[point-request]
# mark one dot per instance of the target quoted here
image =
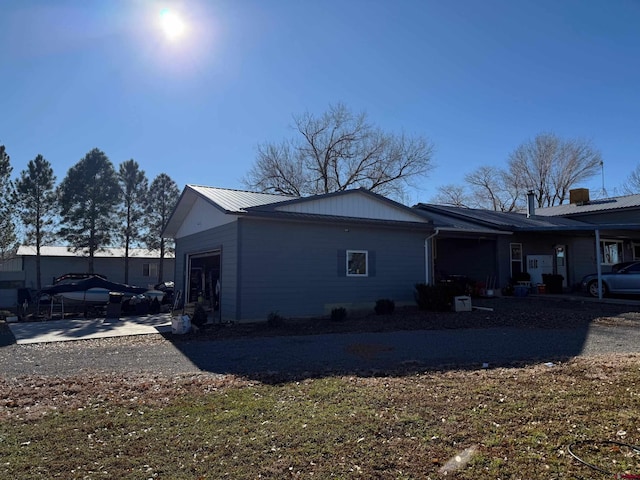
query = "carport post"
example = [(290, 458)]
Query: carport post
[(428, 268), (599, 264)]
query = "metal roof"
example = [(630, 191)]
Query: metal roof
[(65, 251), (445, 222), (500, 220), (603, 204), (238, 201)]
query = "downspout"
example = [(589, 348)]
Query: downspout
[(599, 264), (427, 263)]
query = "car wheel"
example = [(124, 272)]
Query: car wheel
[(592, 289)]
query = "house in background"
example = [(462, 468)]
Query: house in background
[(20, 271), (251, 254)]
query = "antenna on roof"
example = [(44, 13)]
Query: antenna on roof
[(604, 190)]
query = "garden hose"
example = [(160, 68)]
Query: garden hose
[(629, 476)]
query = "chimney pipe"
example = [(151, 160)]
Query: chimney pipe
[(531, 204)]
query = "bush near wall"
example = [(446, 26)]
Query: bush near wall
[(384, 306)]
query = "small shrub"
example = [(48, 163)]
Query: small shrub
[(338, 314), (275, 320), (436, 298), (384, 306)]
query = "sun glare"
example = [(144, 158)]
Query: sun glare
[(172, 25)]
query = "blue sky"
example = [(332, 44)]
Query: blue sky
[(476, 77)]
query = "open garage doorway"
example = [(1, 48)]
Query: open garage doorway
[(203, 282)]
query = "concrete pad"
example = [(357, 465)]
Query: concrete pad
[(83, 329)]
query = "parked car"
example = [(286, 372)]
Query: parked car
[(623, 279)]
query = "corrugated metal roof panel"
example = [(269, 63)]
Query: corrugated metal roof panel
[(604, 204), (62, 251), (448, 222), (237, 201), (508, 220)]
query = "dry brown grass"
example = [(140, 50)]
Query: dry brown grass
[(517, 422)]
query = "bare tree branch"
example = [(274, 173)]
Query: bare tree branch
[(340, 150), (632, 185), (453, 196), (551, 166)]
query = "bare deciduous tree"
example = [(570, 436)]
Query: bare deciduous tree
[(632, 185), (337, 151), (453, 196), (487, 187), (495, 189), (550, 166)]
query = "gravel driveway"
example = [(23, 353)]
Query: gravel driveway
[(601, 329)]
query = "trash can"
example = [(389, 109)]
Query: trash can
[(114, 307), (115, 297)]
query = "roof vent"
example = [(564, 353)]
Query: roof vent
[(579, 196)]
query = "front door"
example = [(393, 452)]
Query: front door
[(538, 265)]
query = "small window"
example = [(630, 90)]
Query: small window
[(610, 251), (516, 258), (357, 262), (150, 270)]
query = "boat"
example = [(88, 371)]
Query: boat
[(95, 290)]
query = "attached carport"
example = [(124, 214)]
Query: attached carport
[(620, 232)]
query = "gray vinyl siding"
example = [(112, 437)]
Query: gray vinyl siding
[(293, 268), (224, 238)]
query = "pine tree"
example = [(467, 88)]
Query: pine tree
[(8, 237), (161, 200), (35, 202), (88, 197), (134, 185)]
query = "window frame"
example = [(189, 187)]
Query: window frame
[(515, 258), (619, 251), (151, 270), (366, 263)]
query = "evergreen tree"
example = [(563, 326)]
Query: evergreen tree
[(35, 202), (134, 186), (8, 237), (161, 200), (88, 197)]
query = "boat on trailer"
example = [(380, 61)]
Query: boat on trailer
[(95, 291)]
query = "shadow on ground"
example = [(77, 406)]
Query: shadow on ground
[(514, 332), (6, 337), (297, 357)]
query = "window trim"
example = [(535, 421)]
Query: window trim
[(515, 257), (620, 251), (151, 270), (366, 263)]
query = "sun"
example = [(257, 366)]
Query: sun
[(172, 25)]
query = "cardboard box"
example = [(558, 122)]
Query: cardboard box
[(462, 304)]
